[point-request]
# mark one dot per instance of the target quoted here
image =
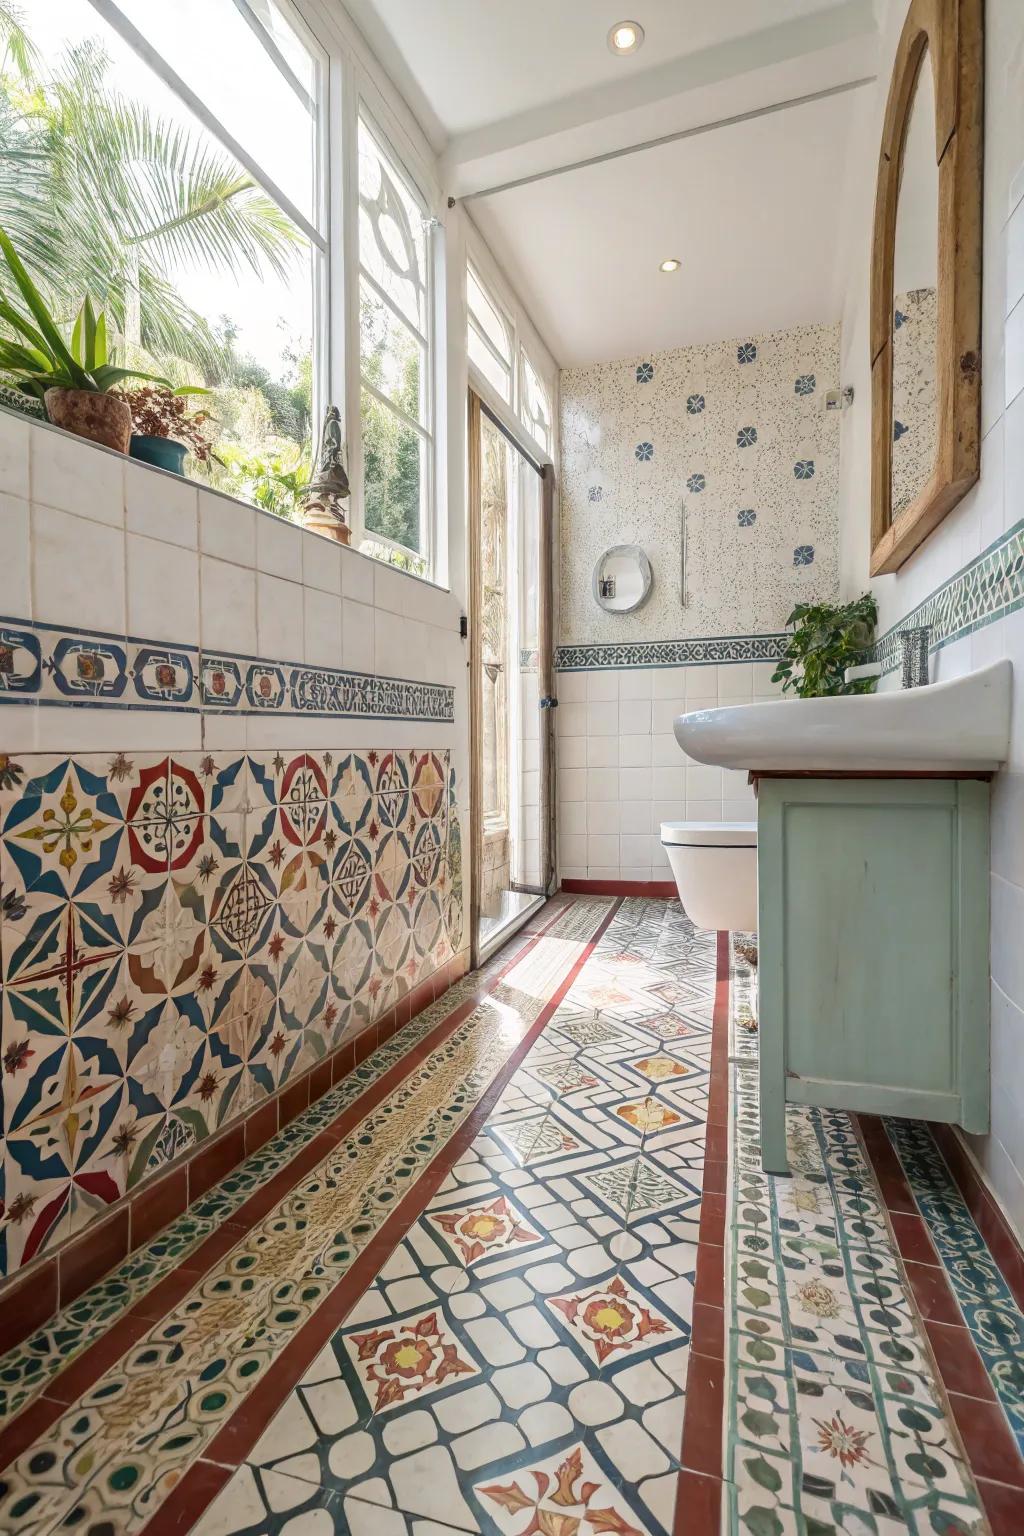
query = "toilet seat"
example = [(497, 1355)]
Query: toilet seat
[(709, 834)]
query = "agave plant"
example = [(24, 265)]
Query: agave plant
[(42, 359)]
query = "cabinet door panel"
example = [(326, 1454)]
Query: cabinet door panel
[(870, 937)]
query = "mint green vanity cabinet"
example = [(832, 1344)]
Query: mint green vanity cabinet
[(874, 949)]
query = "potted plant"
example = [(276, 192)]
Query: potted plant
[(827, 638), (164, 430), (73, 381)]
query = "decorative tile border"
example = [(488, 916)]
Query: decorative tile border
[(49, 664), (986, 589), (699, 651), (993, 1318)]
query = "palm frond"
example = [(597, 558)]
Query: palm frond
[(17, 46)]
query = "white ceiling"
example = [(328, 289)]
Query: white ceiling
[(514, 89), (754, 212), (478, 61)]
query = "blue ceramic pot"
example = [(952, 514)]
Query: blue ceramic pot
[(164, 452)]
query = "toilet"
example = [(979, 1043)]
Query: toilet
[(715, 868)]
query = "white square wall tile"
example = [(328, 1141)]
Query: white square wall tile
[(321, 562), (703, 682), (15, 453), (15, 573), (163, 590), (636, 684), (634, 751), (634, 717), (634, 784), (602, 848), (635, 817), (570, 688), (604, 815), (357, 572), (572, 848), (279, 633), (602, 685), (703, 783), (572, 752), (602, 751), (77, 571), (664, 712), (78, 476), (227, 529), (603, 717), (634, 872), (670, 682), (736, 680), (322, 628), (602, 784), (637, 849), (669, 783), (227, 606), (572, 785), (356, 636), (160, 505), (571, 719), (279, 546)]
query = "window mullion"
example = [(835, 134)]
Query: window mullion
[(403, 416), (130, 34), (369, 278)]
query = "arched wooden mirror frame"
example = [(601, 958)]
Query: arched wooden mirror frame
[(948, 35)]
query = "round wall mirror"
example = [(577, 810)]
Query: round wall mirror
[(622, 579)]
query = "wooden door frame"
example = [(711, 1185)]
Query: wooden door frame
[(545, 663)]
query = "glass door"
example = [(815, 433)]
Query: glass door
[(510, 657)]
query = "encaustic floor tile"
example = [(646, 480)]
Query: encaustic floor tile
[(474, 1313)]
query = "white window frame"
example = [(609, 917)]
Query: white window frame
[(507, 365), (318, 233), (364, 112), (526, 361)]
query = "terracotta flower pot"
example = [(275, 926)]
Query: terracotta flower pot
[(105, 419)]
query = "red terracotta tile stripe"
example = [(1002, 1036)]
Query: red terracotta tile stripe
[(661, 890), (233, 1442), (699, 1491), (83, 1371), (990, 1446)]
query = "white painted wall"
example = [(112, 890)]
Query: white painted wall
[(995, 504)]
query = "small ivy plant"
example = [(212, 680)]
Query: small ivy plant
[(826, 639)]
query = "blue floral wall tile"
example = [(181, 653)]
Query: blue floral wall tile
[(720, 433), (803, 554)]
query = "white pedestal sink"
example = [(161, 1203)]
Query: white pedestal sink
[(961, 726)]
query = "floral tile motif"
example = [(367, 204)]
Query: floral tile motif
[(563, 1495), (481, 1231), (613, 1319), (638, 1188), (539, 1136), (181, 936), (647, 1115), (659, 1069), (410, 1359)]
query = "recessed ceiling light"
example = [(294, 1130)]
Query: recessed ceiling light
[(671, 264), (625, 37)]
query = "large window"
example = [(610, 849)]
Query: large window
[(395, 356), (535, 406), (488, 337), (164, 159)]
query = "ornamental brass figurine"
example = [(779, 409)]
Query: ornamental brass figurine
[(323, 501)]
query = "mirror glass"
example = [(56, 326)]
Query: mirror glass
[(915, 303), (622, 579)]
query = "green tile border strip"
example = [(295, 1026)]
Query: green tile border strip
[(993, 1318), (697, 651), (988, 588)]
